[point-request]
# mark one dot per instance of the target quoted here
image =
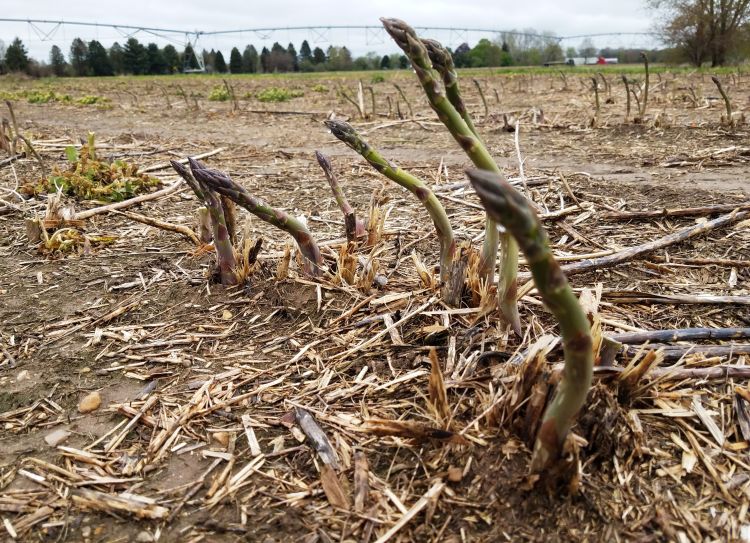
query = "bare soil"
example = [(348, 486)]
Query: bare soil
[(280, 342)]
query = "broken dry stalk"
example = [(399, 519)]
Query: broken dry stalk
[(417, 52), (354, 228), (223, 184), (481, 95), (723, 93), (644, 102), (225, 258), (627, 97), (346, 133), (511, 209)]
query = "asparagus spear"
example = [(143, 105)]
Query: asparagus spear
[(346, 133), (223, 184), (442, 61), (354, 228), (512, 210), (225, 258), (418, 53)]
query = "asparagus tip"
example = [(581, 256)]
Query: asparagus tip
[(322, 160)]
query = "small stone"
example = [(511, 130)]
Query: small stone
[(455, 474), (144, 537), (90, 403), (226, 315), (56, 437), (23, 375), (222, 438)]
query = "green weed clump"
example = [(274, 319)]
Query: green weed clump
[(42, 97), (88, 178), (320, 88), (377, 78), (219, 94), (278, 94), (90, 100)]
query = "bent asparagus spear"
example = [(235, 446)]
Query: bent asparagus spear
[(223, 184), (354, 227), (512, 210), (225, 258), (465, 135), (346, 133)]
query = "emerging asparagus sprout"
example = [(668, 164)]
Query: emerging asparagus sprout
[(222, 184), (346, 133), (447, 110), (511, 209), (354, 227)]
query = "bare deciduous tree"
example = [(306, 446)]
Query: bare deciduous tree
[(703, 29)]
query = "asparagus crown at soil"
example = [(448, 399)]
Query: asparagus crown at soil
[(513, 211)]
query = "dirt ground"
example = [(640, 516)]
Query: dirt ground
[(187, 370)]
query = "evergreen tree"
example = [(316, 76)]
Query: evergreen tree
[(280, 61), (135, 57), (98, 60), (319, 57), (16, 57), (403, 62), (171, 59), (209, 59), (385, 62), (220, 64), (189, 59), (57, 61), (235, 61), (79, 53), (265, 60), (156, 63), (117, 58), (292, 52), (250, 60), (305, 53), (2, 57), (461, 56)]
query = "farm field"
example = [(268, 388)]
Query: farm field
[(207, 392)]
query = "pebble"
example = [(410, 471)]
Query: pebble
[(455, 474), (222, 438), (56, 437), (23, 375), (144, 537), (90, 403), (226, 315)]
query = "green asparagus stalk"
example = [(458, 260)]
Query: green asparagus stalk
[(442, 61), (512, 210), (225, 258), (346, 133), (223, 184), (354, 227), (418, 54)]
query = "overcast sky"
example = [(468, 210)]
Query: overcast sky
[(566, 18)]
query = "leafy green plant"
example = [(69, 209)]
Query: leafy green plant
[(278, 94), (219, 94), (377, 78), (41, 97), (320, 88), (88, 178), (90, 100)]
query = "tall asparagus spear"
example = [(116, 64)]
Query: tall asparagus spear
[(346, 133), (223, 184), (418, 54), (512, 210), (225, 258)]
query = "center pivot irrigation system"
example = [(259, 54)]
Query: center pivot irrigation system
[(374, 35)]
